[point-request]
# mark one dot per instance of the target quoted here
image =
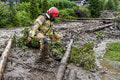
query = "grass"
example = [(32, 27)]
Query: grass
[(113, 52)]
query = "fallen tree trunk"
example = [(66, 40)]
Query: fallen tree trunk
[(4, 57), (99, 27), (63, 63), (89, 19)]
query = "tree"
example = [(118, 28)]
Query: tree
[(110, 4), (45, 6), (24, 0), (34, 8), (94, 8), (11, 4)]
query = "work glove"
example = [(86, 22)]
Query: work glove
[(29, 39), (31, 35), (56, 37)]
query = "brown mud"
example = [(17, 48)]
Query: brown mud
[(22, 64)]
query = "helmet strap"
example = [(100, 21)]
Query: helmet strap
[(48, 16)]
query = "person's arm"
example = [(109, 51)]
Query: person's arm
[(39, 21)]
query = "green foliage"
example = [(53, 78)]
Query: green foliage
[(65, 7), (113, 52), (114, 47), (11, 4), (45, 6), (25, 12), (4, 15), (74, 55), (118, 19), (94, 8), (22, 14), (84, 9), (22, 6), (57, 48), (83, 56), (60, 4), (34, 9), (118, 8), (73, 13), (110, 4), (22, 18), (66, 13), (23, 41), (73, 0), (24, 0), (99, 34), (19, 16), (113, 55)]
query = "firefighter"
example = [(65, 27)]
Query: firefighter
[(42, 28)]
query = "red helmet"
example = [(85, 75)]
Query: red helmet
[(53, 11)]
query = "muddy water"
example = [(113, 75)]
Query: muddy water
[(22, 64)]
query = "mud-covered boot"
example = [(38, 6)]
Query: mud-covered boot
[(44, 53), (39, 60)]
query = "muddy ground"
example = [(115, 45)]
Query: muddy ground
[(22, 64)]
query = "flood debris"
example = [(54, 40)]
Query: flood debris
[(21, 64), (98, 28)]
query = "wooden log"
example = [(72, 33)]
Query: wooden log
[(99, 27), (63, 62), (89, 19), (4, 57), (95, 18)]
